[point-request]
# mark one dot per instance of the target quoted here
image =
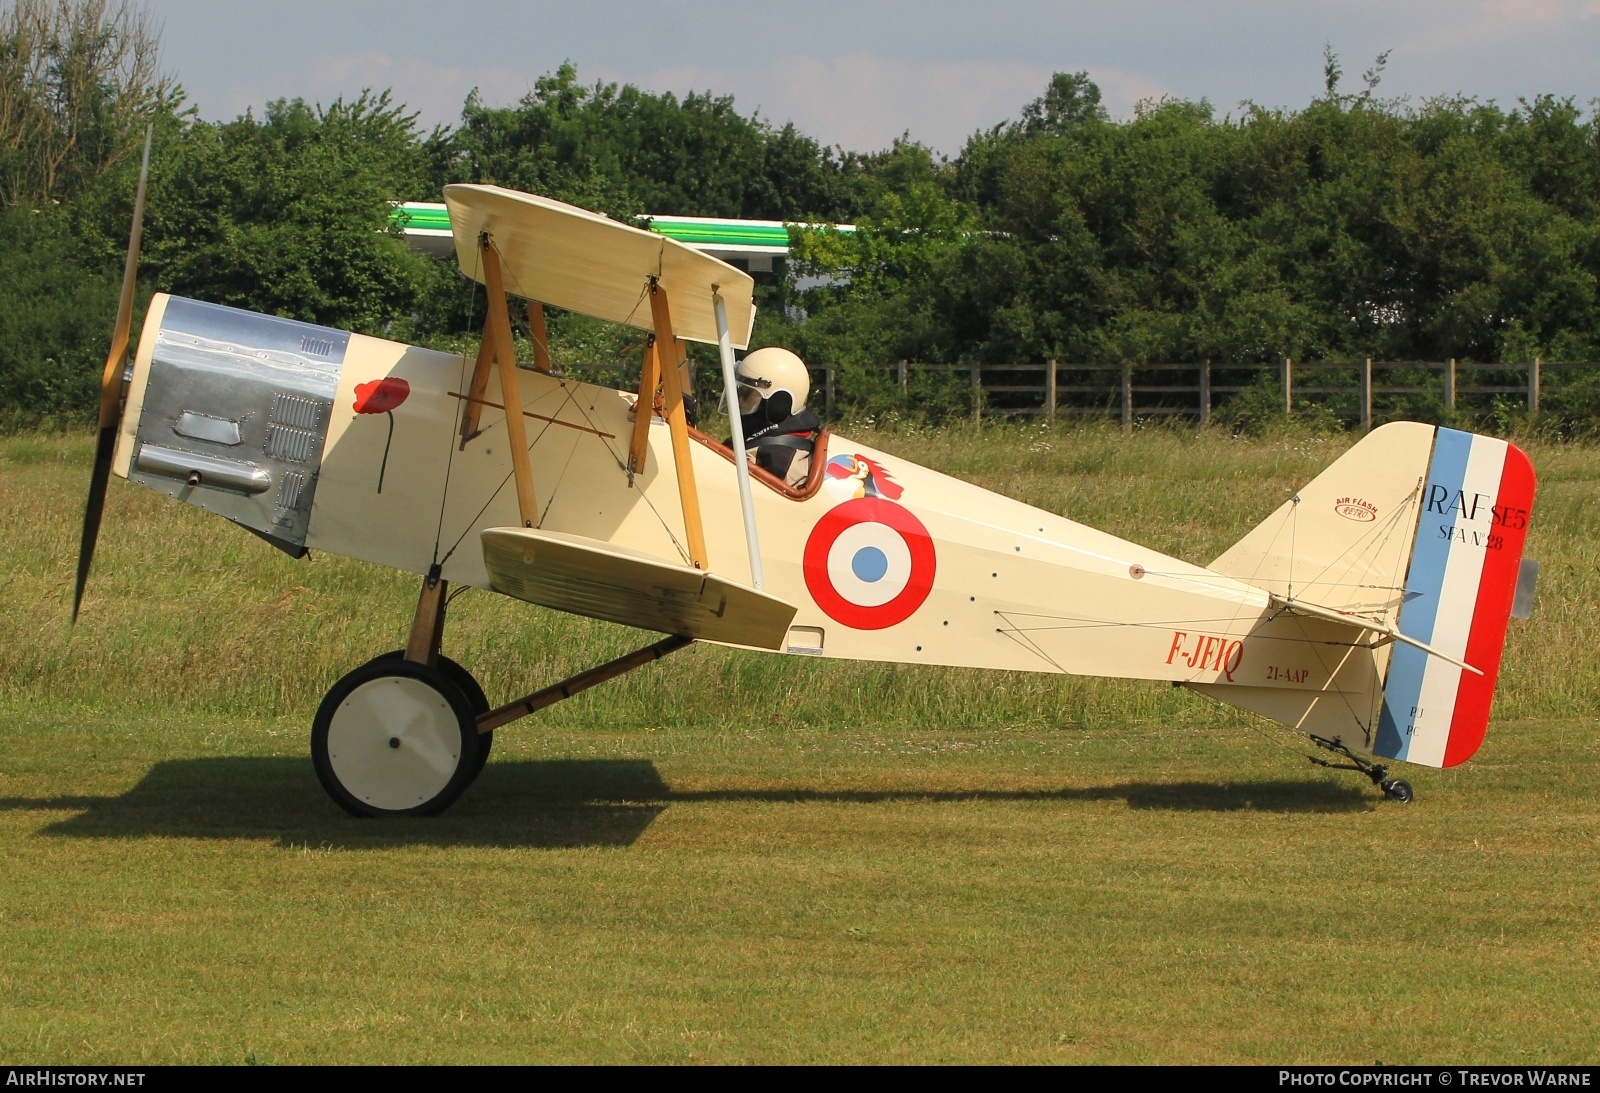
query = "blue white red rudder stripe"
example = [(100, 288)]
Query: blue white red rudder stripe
[(1460, 582)]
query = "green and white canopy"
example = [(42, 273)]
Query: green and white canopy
[(753, 243)]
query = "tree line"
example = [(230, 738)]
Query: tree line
[(1353, 226)]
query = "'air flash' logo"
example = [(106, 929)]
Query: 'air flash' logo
[(1354, 508)]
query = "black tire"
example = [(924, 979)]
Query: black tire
[(1398, 790), (436, 754), (469, 687)]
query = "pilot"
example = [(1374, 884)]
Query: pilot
[(779, 432)]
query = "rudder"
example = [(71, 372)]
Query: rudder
[(1460, 582)]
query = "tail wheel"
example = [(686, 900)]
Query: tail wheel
[(1397, 790), (463, 679), (395, 738)]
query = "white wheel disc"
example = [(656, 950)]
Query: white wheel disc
[(394, 743)]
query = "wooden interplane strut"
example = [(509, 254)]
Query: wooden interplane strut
[(479, 384), (499, 324), (644, 409), (541, 342), (670, 354)]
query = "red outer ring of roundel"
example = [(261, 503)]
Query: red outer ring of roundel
[(869, 510)]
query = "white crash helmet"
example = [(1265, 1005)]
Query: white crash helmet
[(767, 374)]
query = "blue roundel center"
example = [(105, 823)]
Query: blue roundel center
[(869, 564)]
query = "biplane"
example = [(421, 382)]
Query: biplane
[(1368, 612)]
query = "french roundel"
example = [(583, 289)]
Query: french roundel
[(869, 563)]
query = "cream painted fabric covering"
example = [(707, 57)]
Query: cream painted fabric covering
[(568, 257)]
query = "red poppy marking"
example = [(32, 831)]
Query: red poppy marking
[(381, 396)]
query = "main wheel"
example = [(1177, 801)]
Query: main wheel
[(1397, 790), (462, 678), (395, 738)]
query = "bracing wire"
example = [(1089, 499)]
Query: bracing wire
[(450, 455), (509, 474), (570, 399)]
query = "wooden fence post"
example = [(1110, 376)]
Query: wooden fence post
[(904, 389), (1127, 398), (1366, 395), (1450, 384), (1533, 387), (1288, 387), (1205, 394), (828, 389), (977, 393), (1050, 391)]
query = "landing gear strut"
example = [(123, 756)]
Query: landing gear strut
[(408, 731), (1395, 789)]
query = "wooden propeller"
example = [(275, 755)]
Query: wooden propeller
[(111, 391)]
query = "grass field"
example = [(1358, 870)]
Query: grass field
[(730, 857)]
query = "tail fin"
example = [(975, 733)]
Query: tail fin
[(1419, 529)]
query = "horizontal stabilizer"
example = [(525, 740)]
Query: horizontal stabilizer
[(604, 581), (1332, 615)]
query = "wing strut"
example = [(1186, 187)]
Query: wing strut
[(741, 464), (479, 385), (510, 389), (670, 357), (541, 341), (644, 409), (486, 357)]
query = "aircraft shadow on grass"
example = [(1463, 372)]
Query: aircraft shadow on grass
[(553, 804)]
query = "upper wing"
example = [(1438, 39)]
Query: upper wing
[(569, 257)]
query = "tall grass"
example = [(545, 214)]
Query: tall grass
[(185, 612)]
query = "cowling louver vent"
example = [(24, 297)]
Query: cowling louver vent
[(290, 444), (294, 483), (295, 410)]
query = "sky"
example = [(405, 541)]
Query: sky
[(859, 74)]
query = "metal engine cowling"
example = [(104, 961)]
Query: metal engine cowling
[(233, 413)]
